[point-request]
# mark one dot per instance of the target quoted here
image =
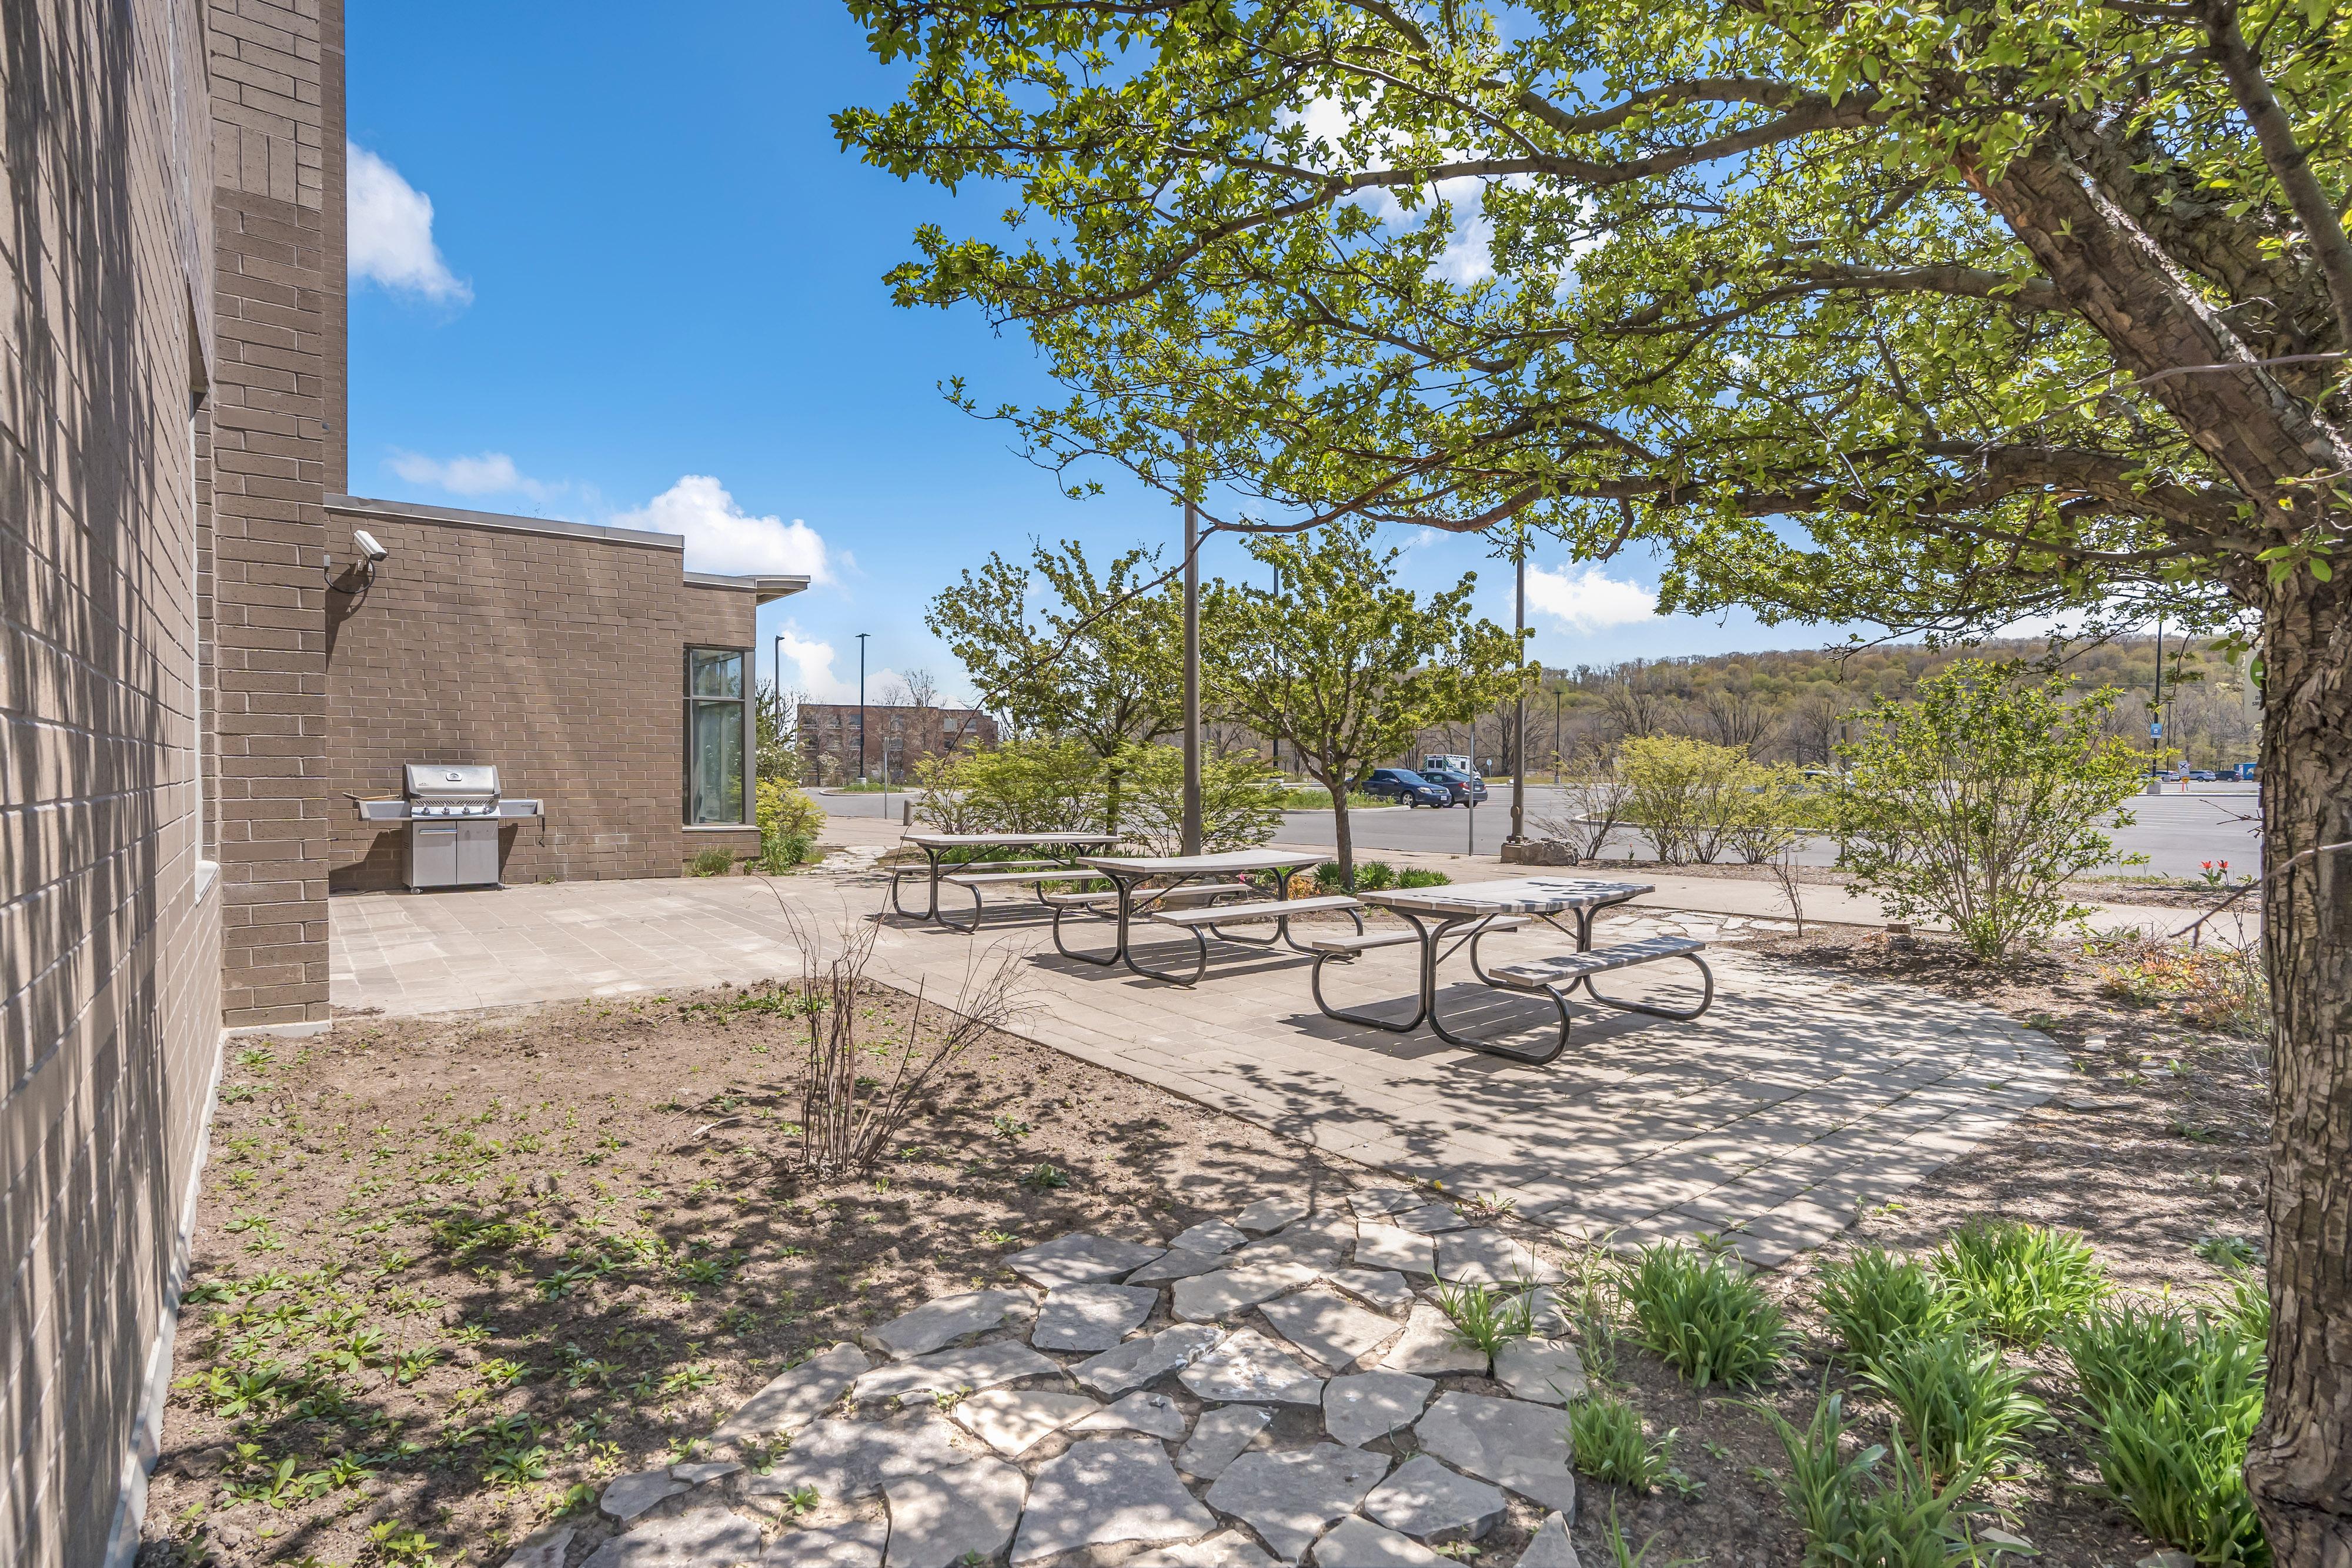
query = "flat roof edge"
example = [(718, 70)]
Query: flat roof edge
[(769, 587), (418, 512)]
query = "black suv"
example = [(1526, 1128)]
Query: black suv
[(1461, 789), (1402, 784)]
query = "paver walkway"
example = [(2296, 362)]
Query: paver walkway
[(1797, 1098)]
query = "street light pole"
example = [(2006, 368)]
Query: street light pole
[(1191, 828), (1519, 701), (861, 705)]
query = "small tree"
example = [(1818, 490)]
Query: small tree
[(1241, 800), (1688, 797), (1593, 801), (1344, 663), (1977, 801), (1019, 787), (776, 716)]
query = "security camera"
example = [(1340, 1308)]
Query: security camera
[(368, 547)]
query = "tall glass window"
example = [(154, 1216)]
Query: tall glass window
[(716, 724)]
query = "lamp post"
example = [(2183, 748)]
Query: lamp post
[(861, 705), (1191, 828), (780, 692), (1520, 699)]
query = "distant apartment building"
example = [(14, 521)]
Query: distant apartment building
[(898, 738)]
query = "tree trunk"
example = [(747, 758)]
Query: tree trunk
[(1324, 775), (2300, 1464)]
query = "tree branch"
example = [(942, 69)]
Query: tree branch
[(2289, 164)]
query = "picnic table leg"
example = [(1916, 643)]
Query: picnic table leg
[(1118, 951), (1437, 1025), (1199, 944), (1422, 986)]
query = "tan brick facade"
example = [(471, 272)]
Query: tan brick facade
[(556, 652), (276, 75), (108, 919)]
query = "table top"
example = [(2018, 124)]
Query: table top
[(1520, 896), (1188, 865), (1002, 841)]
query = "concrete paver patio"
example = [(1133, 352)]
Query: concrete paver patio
[(1796, 1099)]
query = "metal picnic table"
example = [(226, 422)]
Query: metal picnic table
[(935, 845), (1126, 872), (1475, 910)]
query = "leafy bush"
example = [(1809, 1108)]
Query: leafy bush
[(1684, 795), (2019, 1282), (1372, 876), (1975, 803), (2219, 986), (1961, 1405), (1019, 787), (1854, 1516), (2173, 1402), (1414, 877), (1238, 811), (1876, 1298), (1483, 1317), (1709, 1320), (1327, 877), (1606, 1440), (713, 862), (789, 824)]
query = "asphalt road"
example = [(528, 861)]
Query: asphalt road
[(2176, 831)]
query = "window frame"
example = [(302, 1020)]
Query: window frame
[(692, 704)]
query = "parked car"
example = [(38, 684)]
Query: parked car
[(1403, 784), (1461, 789), (2205, 775)]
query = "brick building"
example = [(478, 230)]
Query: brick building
[(903, 735), (195, 673)]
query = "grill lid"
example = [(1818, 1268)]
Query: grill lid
[(438, 781)]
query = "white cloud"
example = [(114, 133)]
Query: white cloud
[(808, 668), (490, 474), (1586, 598), (391, 233), (721, 536)]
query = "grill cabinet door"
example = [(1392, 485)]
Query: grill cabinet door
[(432, 854), (477, 854)]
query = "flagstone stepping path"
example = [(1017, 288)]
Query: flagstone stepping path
[(1277, 1386)]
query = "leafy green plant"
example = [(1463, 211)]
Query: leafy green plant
[(2017, 1281), (1623, 1553), (2231, 1252), (1875, 1298), (396, 1542), (1604, 1434), (1414, 876), (1693, 799), (1704, 1315), (1045, 1177), (1962, 1408), (1237, 809), (1855, 1516), (2173, 1401), (712, 862), (1374, 876), (1486, 1316)]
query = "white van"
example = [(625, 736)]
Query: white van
[(1448, 764)]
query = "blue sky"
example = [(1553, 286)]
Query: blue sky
[(648, 291)]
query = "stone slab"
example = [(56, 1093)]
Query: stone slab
[(1548, 1371), (1372, 1203), (1330, 1327), (1205, 1298), (1394, 1247), (1360, 1543), (1271, 1213), (544, 1549), (935, 1324), (858, 1544), (1550, 1547), (1079, 1258), (1382, 1288), (1012, 1420), (1248, 1367), (1227, 1549), (1154, 1414), (974, 1367), (1429, 1218), (1509, 1442), (965, 1515), (1428, 1345), (1434, 1505), (1490, 1258), (691, 1540), (1289, 1497), (794, 1398), (1140, 1361), (705, 1471), (1106, 1492), (844, 1460), (1209, 1236), (1178, 1263), (1369, 1405), (1090, 1317), (1219, 1436), (625, 1497)]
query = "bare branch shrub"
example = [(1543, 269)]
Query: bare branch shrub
[(1790, 877), (1593, 805)]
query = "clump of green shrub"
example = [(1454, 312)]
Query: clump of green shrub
[(1415, 877), (2019, 1282), (711, 862), (1961, 1406), (1605, 1436), (1374, 876), (1876, 1297), (1854, 1515), (2173, 1401), (1484, 1316), (1705, 1317)]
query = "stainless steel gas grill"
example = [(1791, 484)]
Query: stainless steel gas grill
[(453, 811)]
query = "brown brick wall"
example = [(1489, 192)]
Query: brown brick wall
[(108, 925), (828, 738), (560, 658), (277, 79)]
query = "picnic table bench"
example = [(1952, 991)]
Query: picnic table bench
[(1472, 912), (1179, 875), (972, 876)]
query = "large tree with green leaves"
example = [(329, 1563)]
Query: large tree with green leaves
[(1934, 315), (1094, 657), (1344, 662)]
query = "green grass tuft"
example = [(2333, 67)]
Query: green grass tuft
[(1605, 1436), (1962, 1408), (1876, 1297), (2018, 1282), (1485, 1317), (1707, 1318), (1854, 1515)]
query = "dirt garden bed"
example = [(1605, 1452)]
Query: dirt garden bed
[(453, 1274)]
